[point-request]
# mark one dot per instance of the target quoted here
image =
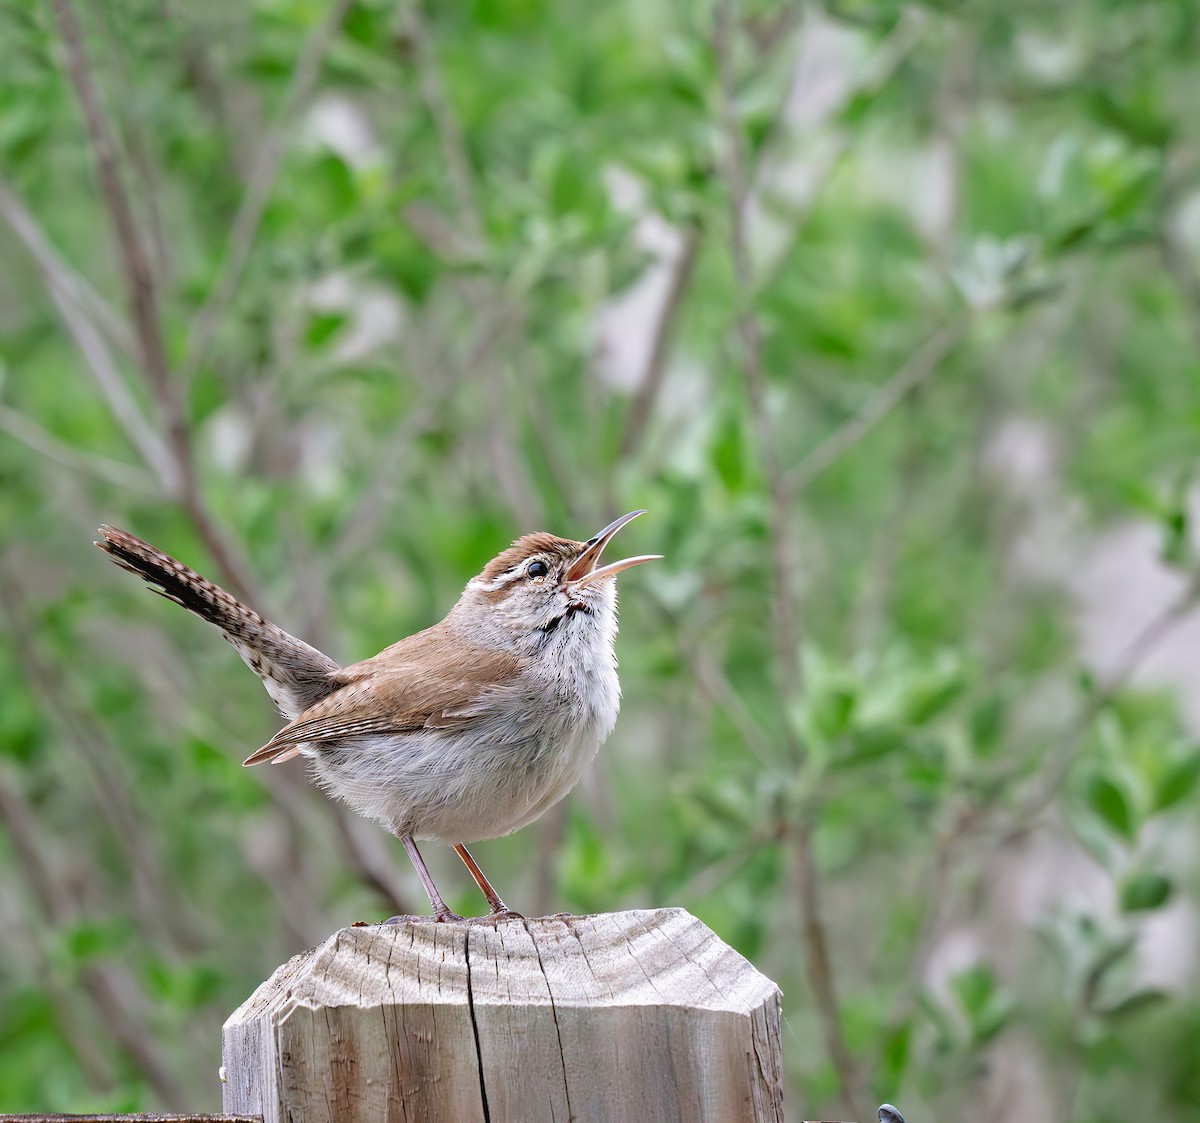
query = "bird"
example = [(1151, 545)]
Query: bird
[(468, 730)]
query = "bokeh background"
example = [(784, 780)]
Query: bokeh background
[(890, 315)]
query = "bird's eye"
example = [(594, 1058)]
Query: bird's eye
[(538, 569)]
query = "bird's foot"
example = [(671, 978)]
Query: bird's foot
[(502, 913), (446, 917)]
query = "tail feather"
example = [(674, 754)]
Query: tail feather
[(295, 674)]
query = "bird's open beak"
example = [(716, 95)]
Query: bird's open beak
[(583, 570)]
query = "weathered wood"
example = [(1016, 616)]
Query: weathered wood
[(633, 1015), (136, 1117)]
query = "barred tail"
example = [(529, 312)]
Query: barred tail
[(295, 674)]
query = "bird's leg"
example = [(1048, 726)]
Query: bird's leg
[(496, 906), (441, 910)]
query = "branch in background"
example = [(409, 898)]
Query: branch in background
[(58, 275), (361, 525), (180, 477), (820, 973), (682, 270), (146, 181), (716, 685), (33, 436), (970, 821), (121, 403), (174, 464), (138, 274), (549, 845), (363, 843), (258, 191), (708, 879), (1177, 256), (786, 606), (837, 139), (786, 609), (119, 1005), (158, 907), (20, 823), (509, 471), (450, 136), (919, 367), (1069, 745), (143, 300), (89, 320)]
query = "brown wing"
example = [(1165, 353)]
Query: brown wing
[(395, 692)]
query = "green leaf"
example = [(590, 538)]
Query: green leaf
[(1145, 891), (932, 698), (1112, 805), (987, 1007), (834, 710), (728, 453), (975, 987), (1140, 1000), (1178, 783), (322, 326)]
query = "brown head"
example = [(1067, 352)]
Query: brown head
[(542, 581)]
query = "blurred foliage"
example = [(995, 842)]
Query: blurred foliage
[(791, 277)]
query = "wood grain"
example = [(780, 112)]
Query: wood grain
[(632, 1015)]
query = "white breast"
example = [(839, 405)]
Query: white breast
[(522, 752)]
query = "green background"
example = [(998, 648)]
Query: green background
[(890, 316)]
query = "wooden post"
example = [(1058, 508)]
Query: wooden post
[(624, 1016)]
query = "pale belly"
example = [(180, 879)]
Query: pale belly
[(461, 787)]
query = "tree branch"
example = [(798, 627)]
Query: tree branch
[(180, 478), (258, 191), (114, 993), (785, 601), (33, 436), (644, 400), (1139, 648), (919, 366), (819, 970), (786, 616), (58, 275), (158, 906), (138, 274), (454, 149)]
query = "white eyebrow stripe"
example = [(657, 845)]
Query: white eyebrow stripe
[(505, 578)]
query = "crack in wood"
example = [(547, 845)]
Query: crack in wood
[(483, 1100), (557, 1028)]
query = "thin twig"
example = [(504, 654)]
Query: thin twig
[(139, 276), (820, 973), (176, 465), (181, 476), (708, 879), (362, 521), (445, 120), (369, 861), (1071, 742), (249, 216), (786, 628), (785, 600), (33, 436), (550, 830), (158, 906), (58, 274), (91, 323), (125, 410), (919, 366), (713, 681), (115, 994), (682, 269), (41, 880)]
